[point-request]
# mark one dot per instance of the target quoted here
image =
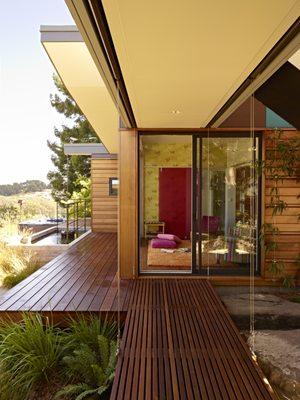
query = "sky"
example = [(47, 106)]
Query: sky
[(27, 119)]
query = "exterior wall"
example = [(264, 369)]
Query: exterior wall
[(104, 206), (288, 223)]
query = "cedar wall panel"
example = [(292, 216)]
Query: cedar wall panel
[(128, 238), (104, 206), (288, 223)]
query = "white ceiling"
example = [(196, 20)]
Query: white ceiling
[(192, 55)]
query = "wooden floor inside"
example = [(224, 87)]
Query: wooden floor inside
[(179, 342), (81, 280)]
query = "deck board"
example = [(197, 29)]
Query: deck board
[(179, 342), (81, 280)]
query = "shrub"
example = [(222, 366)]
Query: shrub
[(31, 353), (92, 371), (91, 365), (14, 278), (37, 358), (16, 263)]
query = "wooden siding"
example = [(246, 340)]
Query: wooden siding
[(104, 206), (288, 223)]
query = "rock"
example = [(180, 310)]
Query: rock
[(278, 353), (271, 311)]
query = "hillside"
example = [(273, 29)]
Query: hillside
[(29, 186), (29, 205)]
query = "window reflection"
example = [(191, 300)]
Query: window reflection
[(229, 203)]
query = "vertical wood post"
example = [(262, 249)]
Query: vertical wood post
[(128, 204)]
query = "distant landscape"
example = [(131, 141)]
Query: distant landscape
[(29, 186), (21, 201)]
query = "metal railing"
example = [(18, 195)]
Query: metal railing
[(73, 218)]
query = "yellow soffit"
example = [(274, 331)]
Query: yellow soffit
[(182, 60), (77, 70)]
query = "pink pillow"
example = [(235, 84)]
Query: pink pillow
[(163, 244), (168, 236)]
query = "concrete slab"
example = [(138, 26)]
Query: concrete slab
[(271, 311)]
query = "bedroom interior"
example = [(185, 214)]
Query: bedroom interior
[(169, 177)]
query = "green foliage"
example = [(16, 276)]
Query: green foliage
[(276, 267), (13, 278), (30, 355), (281, 162), (87, 331), (65, 178), (91, 369), (8, 212), (37, 205), (289, 281), (29, 186), (295, 299), (84, 208), (92, 363), (16, 263), (37, 357), (84, 192)]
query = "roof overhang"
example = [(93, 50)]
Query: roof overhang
[(186, 64), (84, 149), (281, 93), (76, 68)]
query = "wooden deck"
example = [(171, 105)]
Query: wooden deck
[(81, 280), (180, 343)]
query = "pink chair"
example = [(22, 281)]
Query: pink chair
[(210, 224)]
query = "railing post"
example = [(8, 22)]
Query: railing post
[(76, 229), (84, 215), (67, 224), (57, 240)]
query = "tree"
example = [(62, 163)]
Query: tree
[(30, 186), (65, 179)]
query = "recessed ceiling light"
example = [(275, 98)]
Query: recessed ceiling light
[(175, 112)]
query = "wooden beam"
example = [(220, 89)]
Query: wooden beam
[(128, 216)]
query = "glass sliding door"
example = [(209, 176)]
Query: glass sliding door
[(165, 205), (225, 204)]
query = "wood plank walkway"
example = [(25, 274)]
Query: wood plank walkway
[(81, 280), (179, 342)]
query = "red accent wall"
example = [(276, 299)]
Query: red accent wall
[(175, 200)]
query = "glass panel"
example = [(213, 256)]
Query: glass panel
[(229, 196), (165, 203)]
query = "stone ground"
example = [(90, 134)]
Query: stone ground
[(271, 311), (278, 354), (277, 334)]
